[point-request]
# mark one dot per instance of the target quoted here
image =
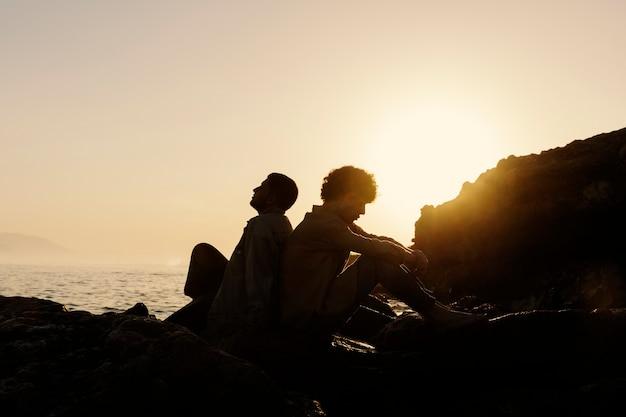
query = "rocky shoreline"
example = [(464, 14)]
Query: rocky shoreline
[(59, 363), (536, 244)]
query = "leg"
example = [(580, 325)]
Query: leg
[(353, 286), (407, 287), (399, 281), (206, 269), (366, 272)]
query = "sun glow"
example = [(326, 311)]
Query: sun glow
[(422, 155)]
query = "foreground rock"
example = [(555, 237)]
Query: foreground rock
[(59, 363), (540, 231), (535, 363), (538, 363)]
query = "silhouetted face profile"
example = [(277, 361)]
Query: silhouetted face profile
[(277, 192), (351, 207), (261, 197), (347, 190)]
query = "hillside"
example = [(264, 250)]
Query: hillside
[(15, 247)]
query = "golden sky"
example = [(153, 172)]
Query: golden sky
[(131, 130)]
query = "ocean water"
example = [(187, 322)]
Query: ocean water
[(107, 288), (99, 288)]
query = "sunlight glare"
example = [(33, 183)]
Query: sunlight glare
[(423, 155)]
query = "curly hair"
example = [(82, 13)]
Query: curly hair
[(347, 179)]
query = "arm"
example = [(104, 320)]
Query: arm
[(344, 237), (359, 231), (412, 258)]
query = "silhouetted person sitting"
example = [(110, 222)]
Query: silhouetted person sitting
[(244, 289), (317, 294)]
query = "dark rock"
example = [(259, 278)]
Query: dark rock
[(378, 301), (404, 333), (59, 363), (473, 304), (524, 364), (62, 363), (138, 309), (17, 306), (366, 323), (540, 231)]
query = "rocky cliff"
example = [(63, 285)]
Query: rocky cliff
[(537, 231)]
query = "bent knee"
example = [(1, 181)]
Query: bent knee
[(201, 247), (204, 250)]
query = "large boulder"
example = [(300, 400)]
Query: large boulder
[(534, 363), (59, 363), (538, 231)]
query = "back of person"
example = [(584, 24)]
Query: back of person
[(248, 294), (311, 260), (243, 290)]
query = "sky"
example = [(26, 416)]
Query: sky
[(131, 130)]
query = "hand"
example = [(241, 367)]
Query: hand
[(417, 260)]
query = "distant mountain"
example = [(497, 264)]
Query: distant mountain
[(536, 231), (16, 247)]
